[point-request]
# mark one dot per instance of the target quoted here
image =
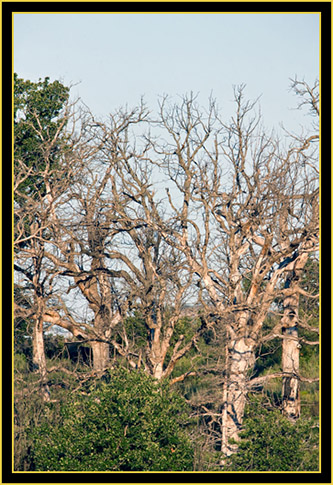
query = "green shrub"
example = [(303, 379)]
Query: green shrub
[(270, 442), (21, 364), (131, 423)]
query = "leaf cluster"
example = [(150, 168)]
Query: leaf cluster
[(270, 442), (131, 423), (37, 109)]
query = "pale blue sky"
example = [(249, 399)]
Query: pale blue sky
[(116, 58)]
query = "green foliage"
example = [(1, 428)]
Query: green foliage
[(20, 363), (309, 367), (136, 329), (37, 108), (54, 346), (268, 357), (23, 327), (28, 410), (131, 423), (270, 442), (39, 139), (22, 337), (127, 421), (185, 328)]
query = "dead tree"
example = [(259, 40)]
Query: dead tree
[(235, 187), (38, 188), (156, 280)]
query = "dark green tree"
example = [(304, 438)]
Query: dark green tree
[(41, 114), (38, 130), (130, 423)]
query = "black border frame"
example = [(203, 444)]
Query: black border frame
[(325, 476)]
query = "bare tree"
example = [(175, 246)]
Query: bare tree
[(106, 248), (38, 189), (309, 97), (81, 233), (219, 212), (244, 219)]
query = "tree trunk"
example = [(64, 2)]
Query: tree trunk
[(100, 355), (239, 360), (291, 403), (155, 353), (38, 357)]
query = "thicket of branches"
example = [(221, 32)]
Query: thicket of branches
[(176, 243)]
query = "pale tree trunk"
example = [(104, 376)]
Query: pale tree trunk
[(38, 357), (104, 320), (100, 347), (291, 402), (100, 355), (155, 352), (102, 327), (104, 323), (38, 347), (239, 360), (159, 344), (156, 346)]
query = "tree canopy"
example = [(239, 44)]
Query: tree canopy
[(178, 246)]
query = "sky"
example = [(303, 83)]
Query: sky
[(114, 59)]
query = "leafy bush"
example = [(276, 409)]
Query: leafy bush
[(28, 411), (20, 363), (131, 423), (270, 442)]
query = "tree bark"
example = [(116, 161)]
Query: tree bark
[(291, 402), (239, 360), (100, 355), (38, 357), (155, 357)]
